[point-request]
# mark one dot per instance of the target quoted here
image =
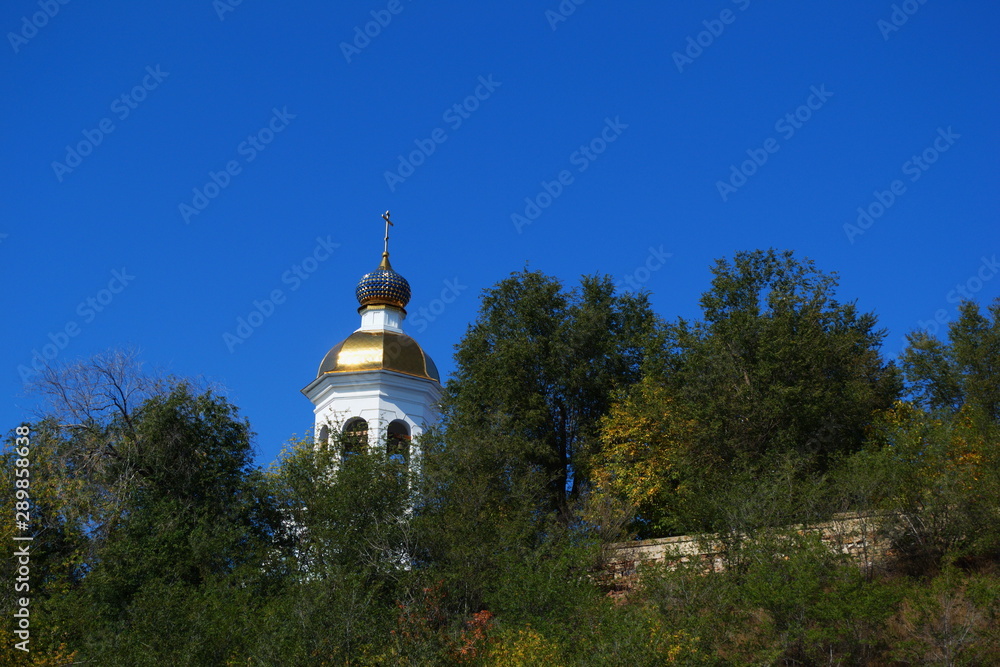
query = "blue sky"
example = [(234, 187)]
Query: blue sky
[(175, 163)]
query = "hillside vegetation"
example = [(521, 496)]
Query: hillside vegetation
[(576, 418)]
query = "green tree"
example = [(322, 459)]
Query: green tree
[(345, 554), (81, 473), (477, 513), (88, 431), (175, 564), (941, 499), (540, 365), (197, 511), (944, 376), (343, 511), (487, 543), (950, 619), (59, 515), (778, 364), (643, 457)]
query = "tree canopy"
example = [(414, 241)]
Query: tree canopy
[(945, 376), (540, 366), (778, 364), (576, 419)]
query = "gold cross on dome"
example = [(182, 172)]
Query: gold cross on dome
[(388, 223)]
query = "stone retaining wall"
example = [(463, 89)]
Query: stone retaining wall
[(857, 535)]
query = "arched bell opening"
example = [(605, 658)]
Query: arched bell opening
[(355, 436), (397, 446)]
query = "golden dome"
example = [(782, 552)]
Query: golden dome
[(379, 350)]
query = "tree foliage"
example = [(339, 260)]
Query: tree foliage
[(644, 452), (778, 364), (539, 367), (158, 541), (961, 372), (942, 497)]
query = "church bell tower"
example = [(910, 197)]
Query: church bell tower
[(377, 386)]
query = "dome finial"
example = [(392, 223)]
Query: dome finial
[(388, 223), (383, 286)]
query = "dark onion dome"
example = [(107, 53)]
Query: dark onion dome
[(383, 287), (376, 351)]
